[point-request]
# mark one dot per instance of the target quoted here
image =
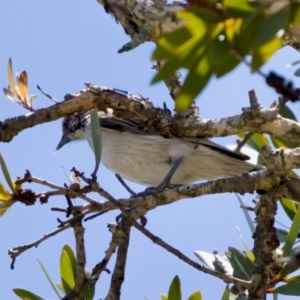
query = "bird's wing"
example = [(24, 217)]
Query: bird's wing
[(124, 124), (219, 148), (138, 127)]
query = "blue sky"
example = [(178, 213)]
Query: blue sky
[(62, 45)]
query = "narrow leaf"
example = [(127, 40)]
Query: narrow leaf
[(291, 289), (72, 258), (6, 175), (195, 296), (96, 135), (292, 235), (11, 77), (27, 295), (246, 213), (66, 272), (4, 206), (4, 193), (48, 278), (175, 289), (289, 207), (22, 84)]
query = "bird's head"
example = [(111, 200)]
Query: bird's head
[(73, 128)]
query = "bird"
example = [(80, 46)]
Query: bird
[(146, 159)]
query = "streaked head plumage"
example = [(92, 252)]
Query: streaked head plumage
[(73, 128)]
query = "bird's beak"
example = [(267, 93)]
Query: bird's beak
[(64, 140)]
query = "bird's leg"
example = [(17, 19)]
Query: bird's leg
[(166, 181)]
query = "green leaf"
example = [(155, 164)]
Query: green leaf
[(195, 296), (239, 8), (248, 29), (262, 53), (226, 293), (286, 112), (172, 41), (291, 289), (249, 253), (72, 258), (292, 235), (4, 193), (96, 135), (269, 28), (295, 13), (88, 288), (289, 207), (241, 264), (163, 297), (256, 141), (48, 278), (175, 289), (27, 295), (66, 272), (183, 56), (11, 184), (292, 279), (281, 234), (4, 206), (195, 82), (200, 14), (246, 213)]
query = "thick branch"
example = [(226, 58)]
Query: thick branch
[(159, 121), (266, 242)]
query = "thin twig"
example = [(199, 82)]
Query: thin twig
[(76, 292), (16, 251), (180, 255)]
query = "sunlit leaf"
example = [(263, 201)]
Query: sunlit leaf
[(22, 84), (175, 289), (295, 13), (194, 84), (27, 295), (163, 297), (289, 207), (66, 272), (4, 206), (195, 296), (262, 53), (5, 172), (4, 194), (72, 258), (292, 279), (48, 278), (239, 8), (11, 77)]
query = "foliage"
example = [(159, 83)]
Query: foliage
[(68, 278), (217, 39)]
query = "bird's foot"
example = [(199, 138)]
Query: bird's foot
[(166, 181), (120, 219)]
